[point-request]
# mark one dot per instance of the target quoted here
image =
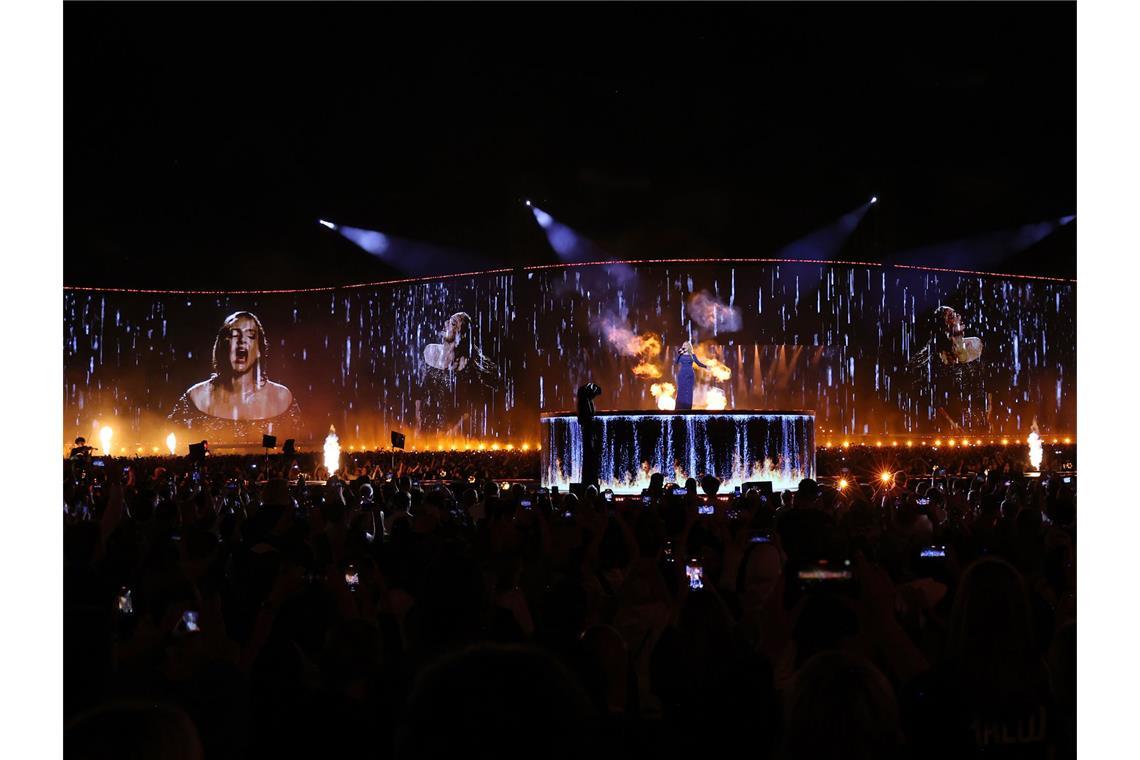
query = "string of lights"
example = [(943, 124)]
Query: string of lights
[(541, 267), (908, 442)]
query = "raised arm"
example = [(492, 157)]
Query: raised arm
[(698, 362)]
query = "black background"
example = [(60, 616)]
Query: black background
[(202, 141)]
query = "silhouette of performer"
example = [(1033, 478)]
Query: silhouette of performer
[(586, 395)]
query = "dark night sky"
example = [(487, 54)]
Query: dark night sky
[(202, 142)]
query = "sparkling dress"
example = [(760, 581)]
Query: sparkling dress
[(191, 419)]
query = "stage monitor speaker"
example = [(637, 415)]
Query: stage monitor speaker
[(397, 440), (268, 441), (763, 486), (290, 448)]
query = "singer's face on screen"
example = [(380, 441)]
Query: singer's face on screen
[(953, 321), (243, 342), (455, 328)]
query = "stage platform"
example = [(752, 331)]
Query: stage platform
[(737, 446)]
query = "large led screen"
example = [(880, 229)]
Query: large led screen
[(871, 349)]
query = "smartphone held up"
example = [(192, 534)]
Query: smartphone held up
[(695, 572)]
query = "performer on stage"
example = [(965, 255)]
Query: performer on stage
[(685, 376)]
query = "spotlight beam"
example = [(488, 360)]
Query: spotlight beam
[(571, 247), (412, 257)]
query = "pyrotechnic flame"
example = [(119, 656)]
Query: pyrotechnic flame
[(628, 343), (172, 443), (715, 399), (647, 371), (645, 347), (1035, 452), (105, 436), (332, 451), (717, 369), (666, 395)]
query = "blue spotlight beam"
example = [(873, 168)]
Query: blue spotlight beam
[(571, 247), (412, 257), (984, 250), (826, 243)]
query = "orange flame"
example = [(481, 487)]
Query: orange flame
[(647, 371), (666, 395), (717, 369), (715, 399), (631, 344)]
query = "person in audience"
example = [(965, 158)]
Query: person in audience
[(841, 707)]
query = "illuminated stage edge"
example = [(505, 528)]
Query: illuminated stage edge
[(737, 447)]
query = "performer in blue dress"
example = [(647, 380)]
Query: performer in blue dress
[(685, 376)]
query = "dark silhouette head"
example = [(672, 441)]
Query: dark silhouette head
[(496, 701), (132, 729), (841, 706)]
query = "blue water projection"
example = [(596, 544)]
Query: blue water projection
[(736, 448)]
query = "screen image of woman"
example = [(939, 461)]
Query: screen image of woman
[(951, 374), (456, 373), (238, 401)]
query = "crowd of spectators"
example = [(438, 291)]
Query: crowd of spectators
[(221, 610)]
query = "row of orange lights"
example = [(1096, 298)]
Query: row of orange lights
[(439, 447), (951, 442), (481, 446)]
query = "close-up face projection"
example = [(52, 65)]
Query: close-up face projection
[(243, 336), (872, 350)]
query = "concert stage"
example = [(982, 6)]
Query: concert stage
[(736, 446)]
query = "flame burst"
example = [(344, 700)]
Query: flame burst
[(332, 451), (645, 347), (707, 352), (171, 443), (105, 436), (666, 395), (1035, 453), (647, 371), (629, 343), (717, 369), (715, 399)]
